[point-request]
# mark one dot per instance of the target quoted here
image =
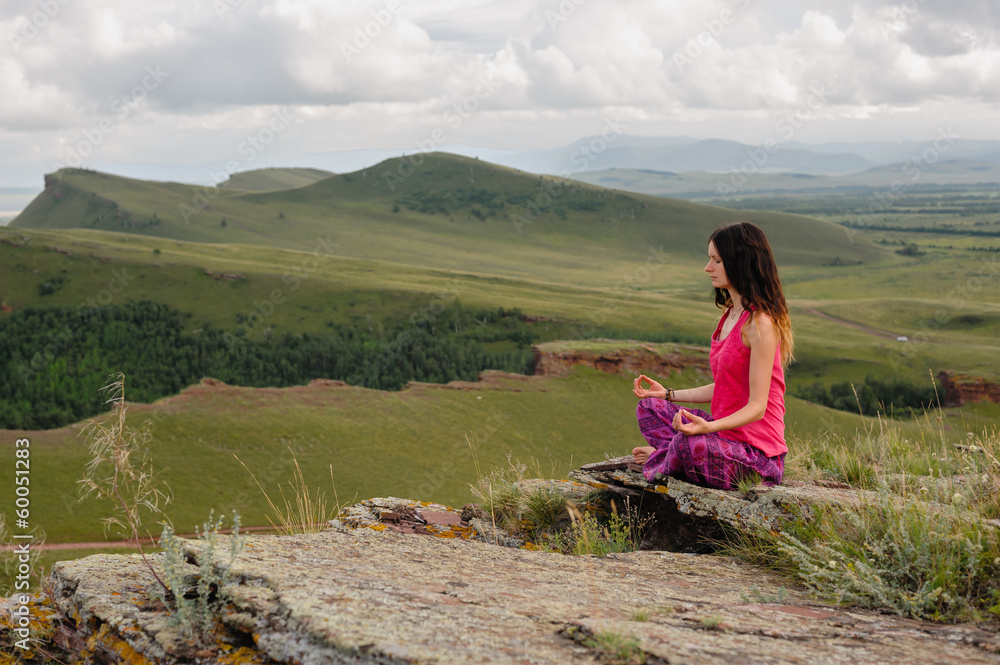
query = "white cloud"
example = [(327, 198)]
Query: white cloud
[(560, 67)]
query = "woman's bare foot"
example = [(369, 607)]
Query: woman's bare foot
[(642, 454)]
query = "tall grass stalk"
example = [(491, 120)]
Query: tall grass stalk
[(306, 511), (120, 471)]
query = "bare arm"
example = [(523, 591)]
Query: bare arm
[(763, 341), (698, 395)]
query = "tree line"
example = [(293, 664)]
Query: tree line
[(54, 360), (872, 396)]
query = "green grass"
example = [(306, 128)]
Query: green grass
[(411, 443)]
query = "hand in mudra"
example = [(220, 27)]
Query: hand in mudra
[(655, 389), (695, 424)]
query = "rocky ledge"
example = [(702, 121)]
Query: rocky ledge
[(369, 596), (401, 581)]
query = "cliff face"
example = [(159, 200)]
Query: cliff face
[(619, 357), (962, 388)]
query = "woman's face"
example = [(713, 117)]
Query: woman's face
[(715, 269)]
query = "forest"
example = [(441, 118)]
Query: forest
[(54, 360)]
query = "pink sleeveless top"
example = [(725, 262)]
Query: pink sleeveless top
[(730, 362)]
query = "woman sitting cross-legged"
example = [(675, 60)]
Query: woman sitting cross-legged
[(752, 344)]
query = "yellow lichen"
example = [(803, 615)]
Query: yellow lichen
[(377, 527), (127, 655)]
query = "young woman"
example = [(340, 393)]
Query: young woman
[(752, 344)]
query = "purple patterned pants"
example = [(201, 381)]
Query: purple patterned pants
[(703, 459)]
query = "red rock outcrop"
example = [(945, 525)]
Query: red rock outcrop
[(619, 357), (962, 388)]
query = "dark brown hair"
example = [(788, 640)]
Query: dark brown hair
[(750, 267)]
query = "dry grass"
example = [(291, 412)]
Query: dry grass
[(302, 510)]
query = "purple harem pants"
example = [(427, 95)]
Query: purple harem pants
[(703, 459)]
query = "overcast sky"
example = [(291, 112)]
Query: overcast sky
[(140, 81)]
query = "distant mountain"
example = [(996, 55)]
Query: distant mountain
[(695, 185), (611, 150), (439, 210), (712, 155), (884, 153)]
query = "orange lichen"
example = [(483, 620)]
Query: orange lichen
[(377, 527), (126, 654), (660, 489), (242, 656)]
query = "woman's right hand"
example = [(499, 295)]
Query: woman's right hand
[(654, 390)]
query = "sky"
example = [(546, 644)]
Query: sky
[(260, 82)]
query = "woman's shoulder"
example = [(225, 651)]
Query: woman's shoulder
[(762, 327)]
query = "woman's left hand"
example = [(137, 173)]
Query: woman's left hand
[(697, 425)]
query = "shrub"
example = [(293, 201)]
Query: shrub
[(196, 602)]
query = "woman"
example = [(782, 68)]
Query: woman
[(752, 344)]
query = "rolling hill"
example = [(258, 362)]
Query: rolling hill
[(447, 212)]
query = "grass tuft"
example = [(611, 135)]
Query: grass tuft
[(306, 511), (621, 648)]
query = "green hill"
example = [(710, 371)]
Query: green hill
[(263, 180), (449, 212)]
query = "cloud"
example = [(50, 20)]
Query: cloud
[(391, 69)]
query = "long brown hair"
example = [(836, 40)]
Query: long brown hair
[(750, 267)]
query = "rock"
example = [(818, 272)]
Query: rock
[(364, 596), (962, 388), (619, 357), (689, 516)]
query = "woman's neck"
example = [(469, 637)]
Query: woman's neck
[(737, 300)]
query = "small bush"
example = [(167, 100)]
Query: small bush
[(897, 554), (196, 602), (545, 511)]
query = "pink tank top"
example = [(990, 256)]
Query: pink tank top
[(730, 362)]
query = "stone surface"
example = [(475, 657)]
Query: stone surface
[(764, 506), (364, 596), (619, 357)]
